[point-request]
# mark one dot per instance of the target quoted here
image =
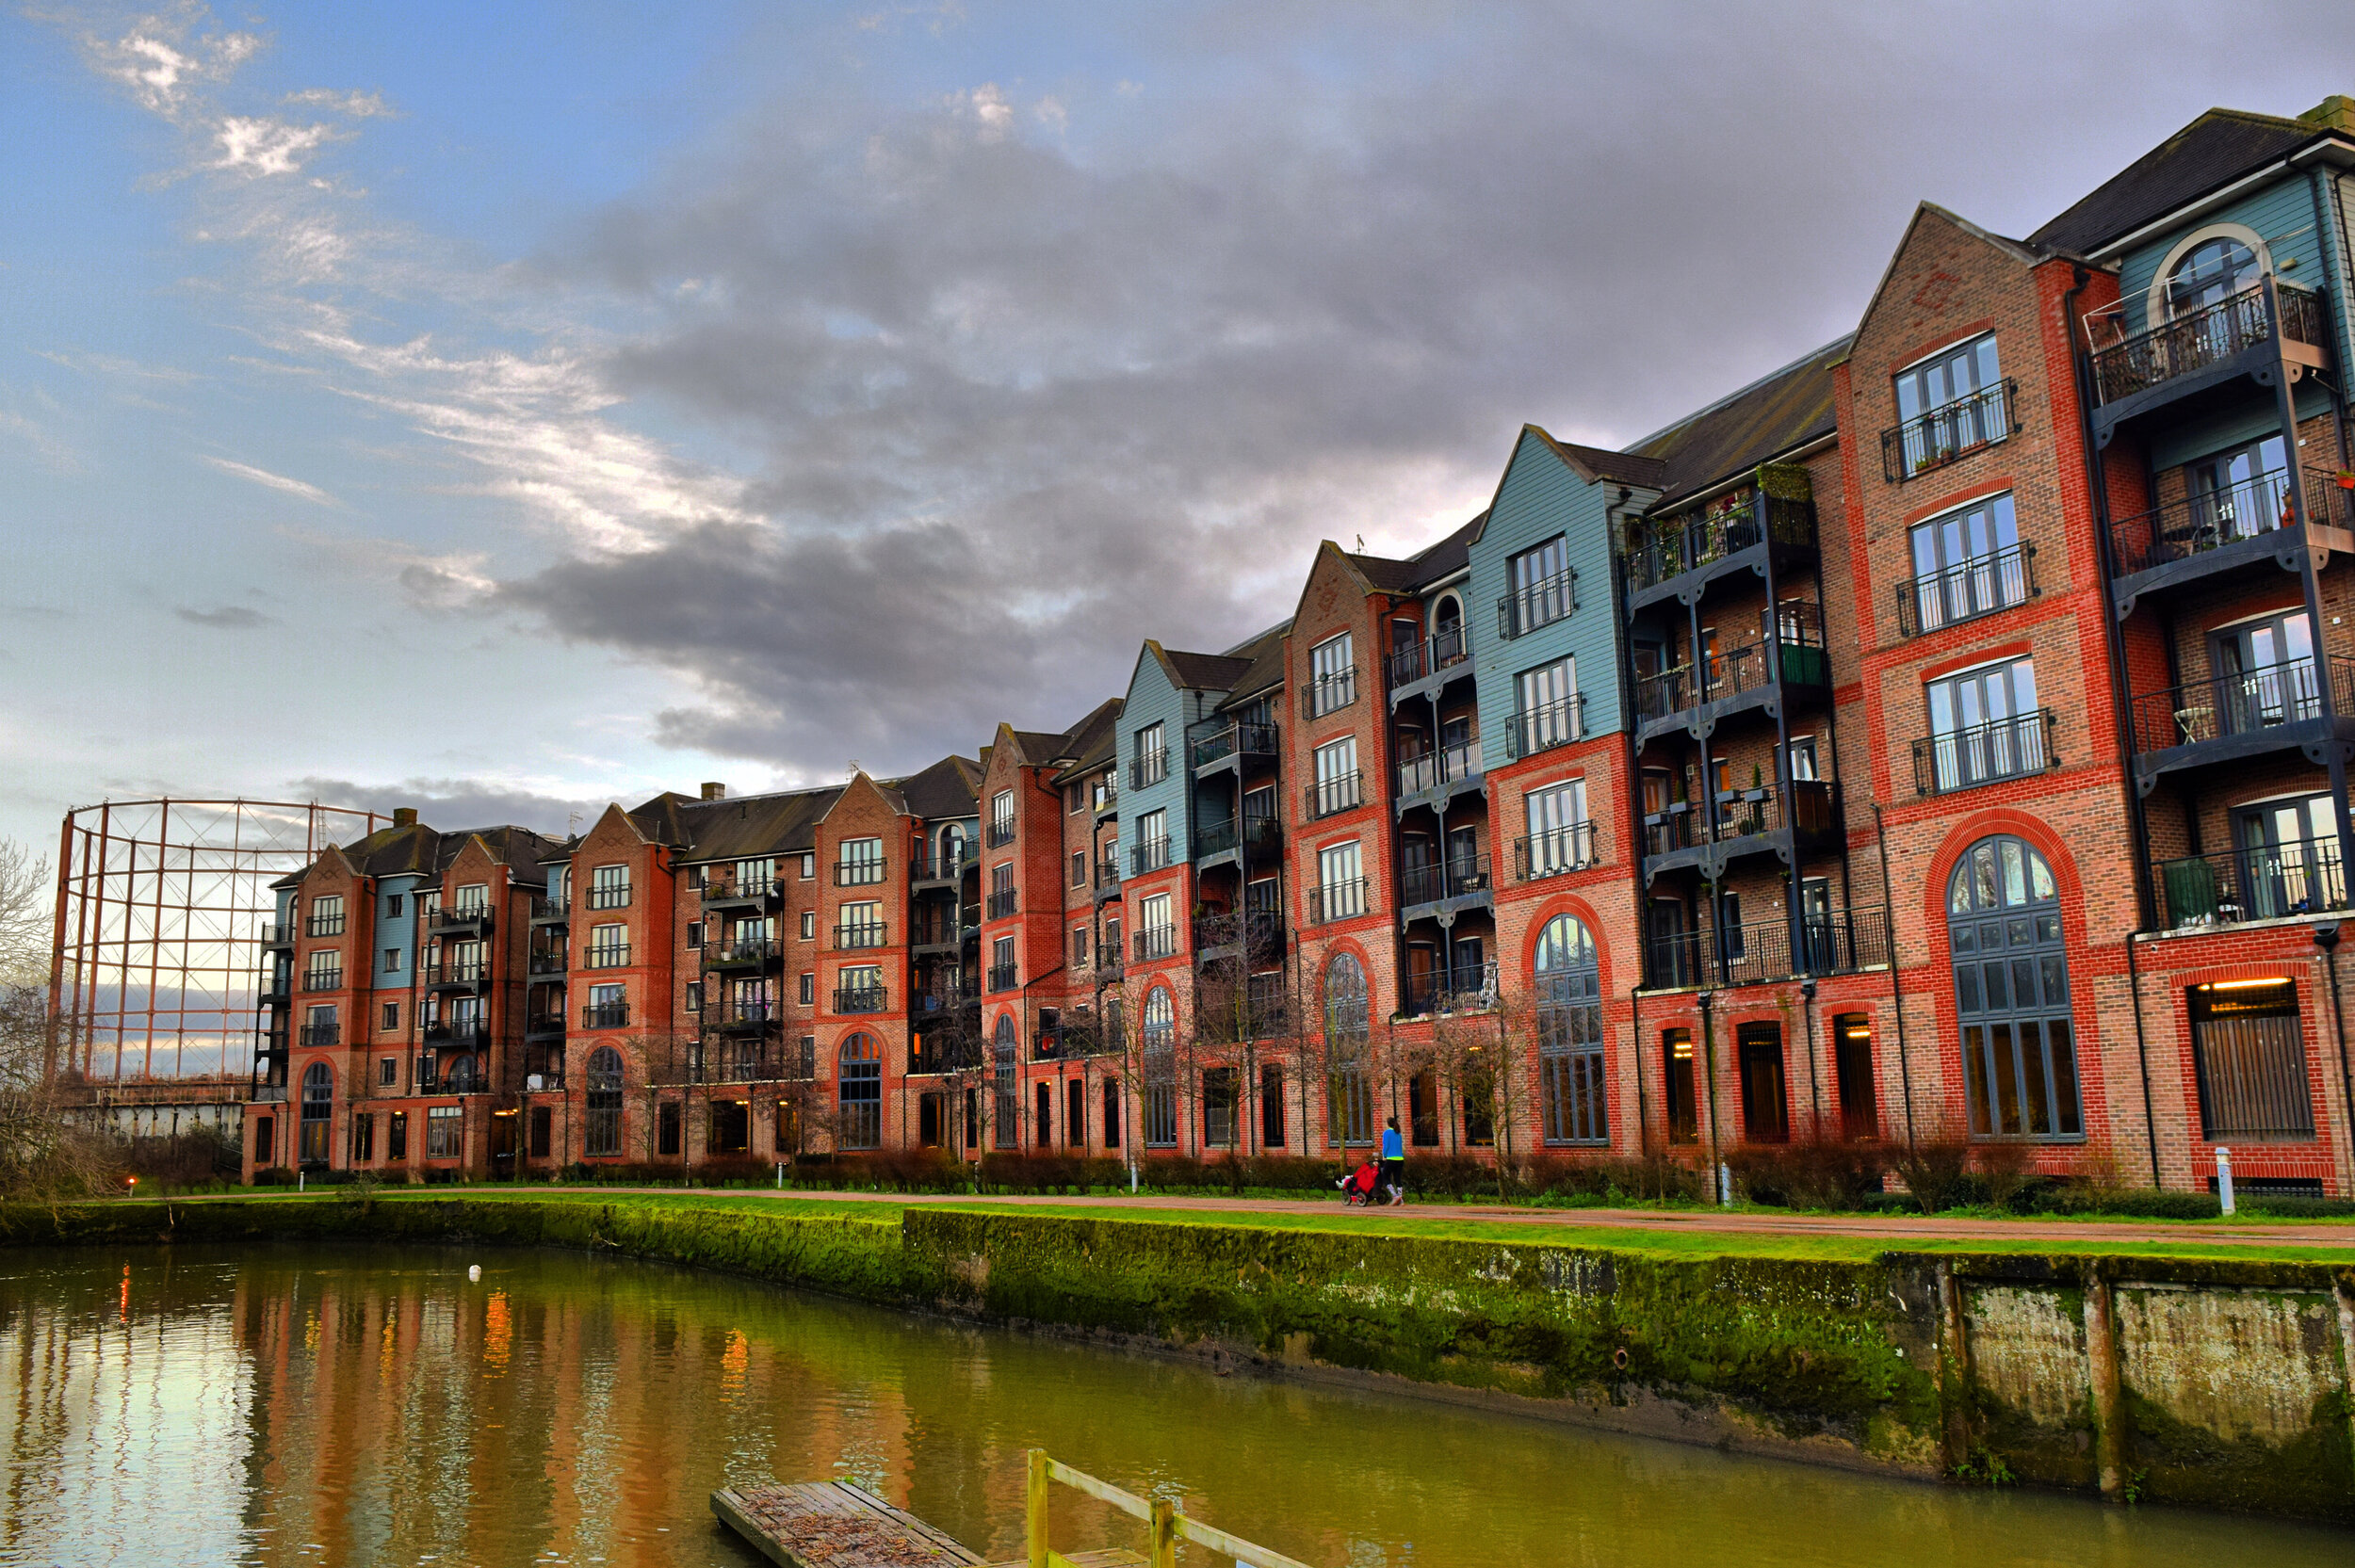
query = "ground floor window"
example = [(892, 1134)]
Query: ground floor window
[(731, 1131), (264, 1140), (928, 1121), (666, 1127), (1570, 1034), (603, 1134), (444, 1132), (1351, 1109), (1271, 1107), (2251, 1049), (1112, 1113), (1423, 1109), (318, 1111), (363, 1139), (1075, 1113), (972, 1118), (1852, 1064), (858, 1093), (1043, 1134), (2011, 992), (1678, 1093), (1765, 1103), (542, 1131), (1220, 1092), (788, 1128), (396, 1134)]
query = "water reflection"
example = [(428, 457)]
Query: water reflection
[(290, 1407)]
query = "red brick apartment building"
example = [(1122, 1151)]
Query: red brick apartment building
[(1946, 734)]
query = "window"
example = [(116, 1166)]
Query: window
[(1221, 1096), (1332, 677), (1073, 799), (1002, 818), (1003, 900), (1985, 725), (1075, 1113), (1341, 890), (607, 1007), (666, 1128), (756, 876), (809, 866), (1547, 708), (694, 935), (601, 1133), (542, 1131), (2210, 273), (1157, 927), (1002, 964), (1765, 1102), (473, 898), (2251, 1053), (1161, 1069), (388, 1070), (1949, 404), (392, 906), (862, 863), (2011, 994), (2231, 496), (1852, 1061), (1043, 1115), (1539, 584), (392, 960), (608, 887), (1079, 946), (1078, 867), (2264, 676), (860, 989), (1151, 763), (1112, 1113), (1336, 786), (809, 925), (1560, 837), (1966, 563), (695, 996), (444, 1132), (363, 1139), (395, 1135), (1678, 1095), (1802, 757), (392, 1015), (1005, 1106), (324, 970), (808, 989), (327, 916), (1152, 851), (1570, 1033), (1271, 1107), (609, 948), (862, 926)]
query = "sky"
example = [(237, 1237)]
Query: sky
[(503, 410)]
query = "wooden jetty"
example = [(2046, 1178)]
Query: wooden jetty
[(841, 1525)]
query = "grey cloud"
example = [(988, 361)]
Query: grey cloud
[(456, 804), (228, 618)]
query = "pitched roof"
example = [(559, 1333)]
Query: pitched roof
[(2212, 151), (949, 787), (1204, 671), (1777, 412), (749, 827), (1094, 740), (1266, 654), (1443, 558)]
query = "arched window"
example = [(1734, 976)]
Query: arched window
[(458, 1075), (1349, 1092), (2011, 994), (1447, 632), (318, 1111), (2210, 272), (1161, 1069), (952, 848), (858, 1093), (603, 1134), (1569, 987), (1005, 1047)]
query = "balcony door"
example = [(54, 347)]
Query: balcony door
[(2236, 495), (1984, 725), (2289, 858), (2265, 672)]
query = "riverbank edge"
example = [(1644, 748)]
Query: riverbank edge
[(1837, 1363)]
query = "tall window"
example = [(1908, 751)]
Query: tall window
[(444, 1132), (1157, 927), (861, 926), (1547, 708), (327, 916), (2232, 496), (1340, 883), (1336, 788), (1002, 964), (473, 898), (1985, 725), (2011, 992), (1570, 1033), (1560, 837), (858, 1093), (1002, 818), (1538, 587), (603, 1133), (860, 989), (1349, 1089), (1152, 758), (862, 863), (2251, 1053), (609, 948), (1152, 851), (1947, 405), (608, 887), (318, 1111), (323, 970), (1332, 676), (607, 1007), (1161, 1069), (1967, 563), (2265, 675)]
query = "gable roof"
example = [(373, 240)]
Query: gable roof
[(949, 787), (747, 828), (1782, 410), (1266, 669), (1450, 554), (1202, 672), (2213, 149), (1096, 740)]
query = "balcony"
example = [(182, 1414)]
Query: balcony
[(462, 1035), (742, 1015), (1538, 604), (1735, 679), (550, 912), (1255, 837), (2231, 338), (1108, 803), (1331, 902), (1951, 431), (1331, 797), (1111, 959), (278, 936), (1225, 1014), (935, 933), (858, 873), (548, 963), (860, 998), (850, 938), (1002, 902), (1445, 653), (1218, 742), (1740, 822), (322, 979), (544, 1026), (1148, 769), (730, 892), (1731, 542), (1257, 932), (940, 867), (1444, 886), (274, 988), (1000, 833), (1004, 977), (1108, 878), (1432, 777), (312, 1037), (453, 975), (1760, 952), (324, 925), (1966, 592), (2268, 881), (1465, 988), (605, 1015), (1553, 853), (2199, 537), (745, 952), (1151, 855), (464, 920), (1329, 693), (1540, 729), (1985, 754), (1154, 942), (2235, 716), (607, 957)]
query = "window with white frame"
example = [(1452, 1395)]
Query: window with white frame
[(1152, 851), (1966, 563), (1545, 707), (1985, 725), (1560, 836), (1341, 890), (1332, 676), (1336, 788), (1538, 584), (608, 887)]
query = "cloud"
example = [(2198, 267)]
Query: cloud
[(264, 146), (228, 618), (458, 805), (310, 493), (358, 105)]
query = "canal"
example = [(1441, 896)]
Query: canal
[(373, 1407)]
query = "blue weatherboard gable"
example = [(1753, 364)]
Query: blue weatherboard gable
[(2281, 214), (400, 933), (1542, 496), (1153, 698)]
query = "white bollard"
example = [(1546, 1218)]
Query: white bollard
[(474, 1271), (301, 1177), (2224, 1177), (780, 1175), (1724, 1185)]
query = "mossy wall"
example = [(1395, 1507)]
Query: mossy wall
[(2234, 1376)]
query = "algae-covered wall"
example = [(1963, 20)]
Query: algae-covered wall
[(2214, 1383)]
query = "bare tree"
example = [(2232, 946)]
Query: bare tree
[(27, 907)]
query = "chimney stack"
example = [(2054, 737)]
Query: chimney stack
[(713, 790), (404, 816)]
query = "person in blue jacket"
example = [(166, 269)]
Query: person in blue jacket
[(1395, 1163)]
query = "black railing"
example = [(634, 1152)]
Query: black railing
[(1794, 655), (743, 951), (1678, 547), (1739, 814), (1553, 853), (720, 891), (613, 896), (1951, 431), (1155, 942), (1001, 903), (2205, 338), (935, 931), (546, 911), (858, 873), (2247, 703), (1538, 604), (1330, 901), (1540, 729), (465, 917), (1455, 877), (1329, 693), (542, 1023), (1151, 855), (1148, 769), (452, 973), (1761, 951), (865, 933), (2199, 521), (1002, 977), (860, 999), (1330, 796), (1000, 832), (1254, 834), (1465, 988), (549, 960), (1433, 769), (1257, 931), (1107, 874), (278, 936), (605, 1015), (463, 1035), (323, 925), (1443, 650), (2266, 882), (1982, 753), (607, 957), (275, 987), (322, 979), (1218, 740), (746, 1013), (940, 866), (313, 1036), (1966, 590)]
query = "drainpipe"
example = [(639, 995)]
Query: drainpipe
[(2326, 938), (2142, 1054), (1814, 1078), (1709, 1068), (1635, 1033), (1896, 986)]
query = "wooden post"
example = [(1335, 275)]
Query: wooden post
[(1163, 1549), (2109, 1399), (1034, 1513), (1954, 1366)]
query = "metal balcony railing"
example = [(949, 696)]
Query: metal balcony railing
[(1538, 604), (1155, 942), (1951, 431), (605, 1015), (548, 961), (464, 917), (1148, 769), (1676, 547), (1966, 590), (1454, 876), (1554, 851), (1107, 874), (2246, 702), (743, 951), (612, 895), (1740, 814), (860, 999), (462, 1035), (1254, 834), (935, 932), (723, 891), (1465, 988), (278, 936), (1331, 902), (1003, 977), (1761, 951), (1331, 797), (540, 1024), (1434, 769), (275, 987), (607, 957), (941, 865), (1796, 655), (1215, 740), (1443, 650), (2205, 337), (2264, 881), (1000, 832), (311, 1037), (322, 979), (1983, 753), (858, 873), (452, 973), (1329, 693), (1004, 901), (1540, 729), (746, 1013), (2195, 524), (547, 911), (1257, 931), (864, 935), (323, 925), (1151, 855)]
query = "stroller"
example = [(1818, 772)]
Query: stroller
[(1360, 1186)]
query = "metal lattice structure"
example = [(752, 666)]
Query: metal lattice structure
[(160, 909)]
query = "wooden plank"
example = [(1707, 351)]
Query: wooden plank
[(1110, 1557), (835, 1525), (1234, 1545), (1103, 1492)]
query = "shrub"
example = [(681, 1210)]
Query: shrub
[(1809, 1172), (1933, 1170), (1567, 1180)]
